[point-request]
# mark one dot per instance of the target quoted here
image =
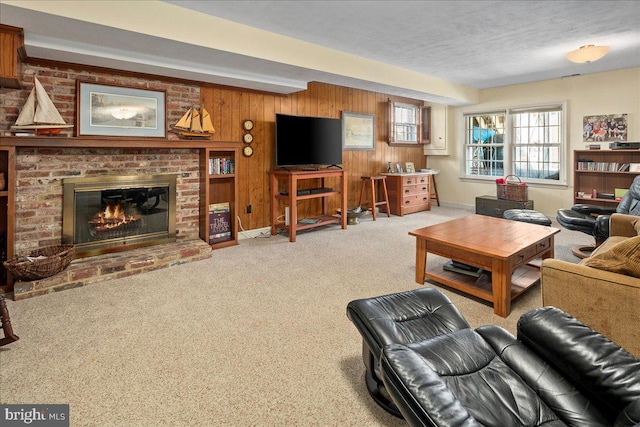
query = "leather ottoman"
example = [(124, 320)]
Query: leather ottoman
[(526, 215)]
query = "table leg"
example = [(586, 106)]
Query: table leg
[(293, 208), (501, 287), (421, 259)]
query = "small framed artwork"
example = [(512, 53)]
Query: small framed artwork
[(409, 167), (358, 131), (105, 110)]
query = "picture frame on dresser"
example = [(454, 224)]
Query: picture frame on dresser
[(119, 111), (409, 167)]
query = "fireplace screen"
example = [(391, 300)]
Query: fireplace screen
[(113, 213)]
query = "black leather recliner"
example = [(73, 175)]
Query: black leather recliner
[(403, 317), (558, 372), (594, 220)]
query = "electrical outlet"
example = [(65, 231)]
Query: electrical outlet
[(248, 209)]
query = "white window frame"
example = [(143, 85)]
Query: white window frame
[(509, 146)]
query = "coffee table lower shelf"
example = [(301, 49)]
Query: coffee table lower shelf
[(522, 279)]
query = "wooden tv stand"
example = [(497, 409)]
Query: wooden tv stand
[(292, 179)]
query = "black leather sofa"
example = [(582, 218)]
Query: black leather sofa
[(557, 372)]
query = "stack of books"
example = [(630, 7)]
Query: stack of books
[(219, 223)]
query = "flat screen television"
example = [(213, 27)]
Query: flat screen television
[(308, 141)]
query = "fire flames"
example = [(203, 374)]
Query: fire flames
[(112, 217)]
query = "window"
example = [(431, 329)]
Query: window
[(537, 143), (484, 149), (408, 124), (526, 142)]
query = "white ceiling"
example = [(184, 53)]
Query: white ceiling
[(479, 44)]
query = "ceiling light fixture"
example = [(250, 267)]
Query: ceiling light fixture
[(588, 53)]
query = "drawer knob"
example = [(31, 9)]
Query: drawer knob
[(406, 191), (406, 202), (424, 188), (408, 181), (544, 245)]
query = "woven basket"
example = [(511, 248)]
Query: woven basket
[(512, 191), (58, 257)]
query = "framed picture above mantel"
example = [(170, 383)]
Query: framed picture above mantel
[(117, 111)]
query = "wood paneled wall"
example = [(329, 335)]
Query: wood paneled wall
[(230, 106)]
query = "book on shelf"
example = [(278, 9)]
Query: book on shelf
[(221, 166), (219, 223), (219, 207), (634, 167), (620, 192), (624, 167)]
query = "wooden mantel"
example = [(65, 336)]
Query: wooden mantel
[(108, 142)]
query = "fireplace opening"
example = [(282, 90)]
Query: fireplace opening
[(114, 213)]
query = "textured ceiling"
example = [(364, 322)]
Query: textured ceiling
[(479, 44)]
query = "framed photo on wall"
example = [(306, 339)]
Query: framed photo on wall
[(604, 127), (358, 131), (105, 110)]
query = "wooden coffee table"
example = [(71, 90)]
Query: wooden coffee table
[(505, 248)]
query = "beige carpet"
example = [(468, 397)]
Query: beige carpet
[(255, 336)]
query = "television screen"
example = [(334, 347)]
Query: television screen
[(308, 141)]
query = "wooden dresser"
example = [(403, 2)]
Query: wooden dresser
[(409, 192)]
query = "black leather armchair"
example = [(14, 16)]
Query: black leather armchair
[(402, 317), (594, 220), (557, 372)]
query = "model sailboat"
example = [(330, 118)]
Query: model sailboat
[(194, 124), (39, 114)]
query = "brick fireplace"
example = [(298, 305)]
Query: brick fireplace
[(40, 173)]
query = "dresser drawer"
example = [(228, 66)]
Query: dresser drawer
[(414, 180), (415, 200), (412, 190)]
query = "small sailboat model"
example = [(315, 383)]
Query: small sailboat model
[(194, 124), (39, 114)]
